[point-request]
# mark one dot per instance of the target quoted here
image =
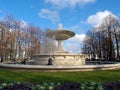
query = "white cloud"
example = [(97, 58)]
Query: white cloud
[(73, 44), (23, 23), (97, 18), (48, 14), (77, 27), (72, 47), (77, 38), (69, 3)]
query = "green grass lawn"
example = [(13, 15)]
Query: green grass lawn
[(37, 76)]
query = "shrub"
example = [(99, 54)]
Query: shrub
[(60, 86), (68, 86), (111, 86)]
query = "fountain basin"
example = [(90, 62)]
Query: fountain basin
[(60, 68), (60, 34), (61, 59)]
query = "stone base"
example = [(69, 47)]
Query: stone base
[(60, 59)]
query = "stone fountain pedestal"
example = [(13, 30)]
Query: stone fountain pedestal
[(60, 57)]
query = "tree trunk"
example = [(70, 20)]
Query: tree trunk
[(117, 46)]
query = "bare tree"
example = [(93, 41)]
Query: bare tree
[(2, 47), (7, 22), (17, 41), (104, 40), (111, 25)]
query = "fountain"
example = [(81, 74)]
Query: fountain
[(60, 56), (61, 60), (60, 35)]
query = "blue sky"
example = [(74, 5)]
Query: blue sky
[(77, 15)]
